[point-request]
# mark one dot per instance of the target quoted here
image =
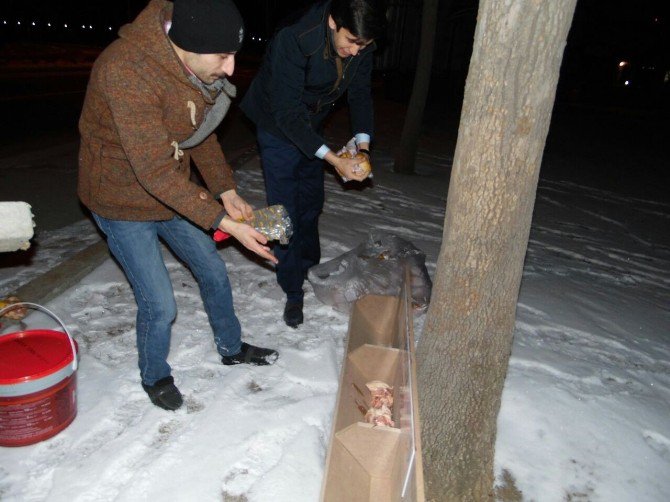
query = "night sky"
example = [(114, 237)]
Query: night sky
[(604, 34), (613, 96), (259, 15)]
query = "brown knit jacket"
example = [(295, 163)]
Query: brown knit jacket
[(137, 104)]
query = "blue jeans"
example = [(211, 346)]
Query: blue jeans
[(136, 247), (296, 182)]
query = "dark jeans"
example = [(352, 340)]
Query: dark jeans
[(136, 247), (296, 182)]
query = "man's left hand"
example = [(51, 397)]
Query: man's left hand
[(236, 207)]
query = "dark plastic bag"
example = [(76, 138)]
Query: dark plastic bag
[(375, 267)]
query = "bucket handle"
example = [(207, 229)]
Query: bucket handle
[(54, 316)]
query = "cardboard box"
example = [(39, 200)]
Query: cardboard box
[(366, 462)]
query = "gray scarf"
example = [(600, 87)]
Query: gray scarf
[(224, 91)]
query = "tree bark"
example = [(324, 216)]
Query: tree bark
[(464, 351), (409, 139)]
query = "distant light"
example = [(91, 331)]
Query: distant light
[(18, 22), (49, 24), (627, 82), (83, 27), (4, 22), (33, 23), (65, 25), (110, 28), (90, 27), (623, 63)]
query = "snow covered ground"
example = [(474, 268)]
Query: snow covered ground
[(585, 410)]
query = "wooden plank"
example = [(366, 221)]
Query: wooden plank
[(66, 274)]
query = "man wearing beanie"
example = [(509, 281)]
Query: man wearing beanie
[(309, 64), (154, 98)]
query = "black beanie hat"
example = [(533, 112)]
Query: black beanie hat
[(206, 26)]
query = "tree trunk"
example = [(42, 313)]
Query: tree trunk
[(464, 351), (409, 139)]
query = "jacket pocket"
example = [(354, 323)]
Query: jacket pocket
[(115, 168), (113, 152), (118, 186)]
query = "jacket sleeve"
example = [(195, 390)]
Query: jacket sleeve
[(136, 110), (212, 165), (288, 66), (359, 97)]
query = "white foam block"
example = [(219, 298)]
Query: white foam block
[(16, 226)]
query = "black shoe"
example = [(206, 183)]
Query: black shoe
[(256, 356), (164, 394), (293, 314)]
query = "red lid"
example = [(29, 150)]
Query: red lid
[(33, 354)]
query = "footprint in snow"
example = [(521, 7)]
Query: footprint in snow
[(659, 443), (165, 431), (193, 405)]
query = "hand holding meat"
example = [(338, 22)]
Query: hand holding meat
[(363, 162), (236, 207), (248, 236), (347, 168)]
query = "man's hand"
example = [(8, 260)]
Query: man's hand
[(347, 168), (250, 238), (236, 207)]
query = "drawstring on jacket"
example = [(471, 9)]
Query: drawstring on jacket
[(178, 154), (191, 106)]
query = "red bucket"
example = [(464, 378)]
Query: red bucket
[(38, 383)]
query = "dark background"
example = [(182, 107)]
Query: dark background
[(604, 33), (610, 121)]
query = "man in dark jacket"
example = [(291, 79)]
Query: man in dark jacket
[(154, 98), (309, 64)]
